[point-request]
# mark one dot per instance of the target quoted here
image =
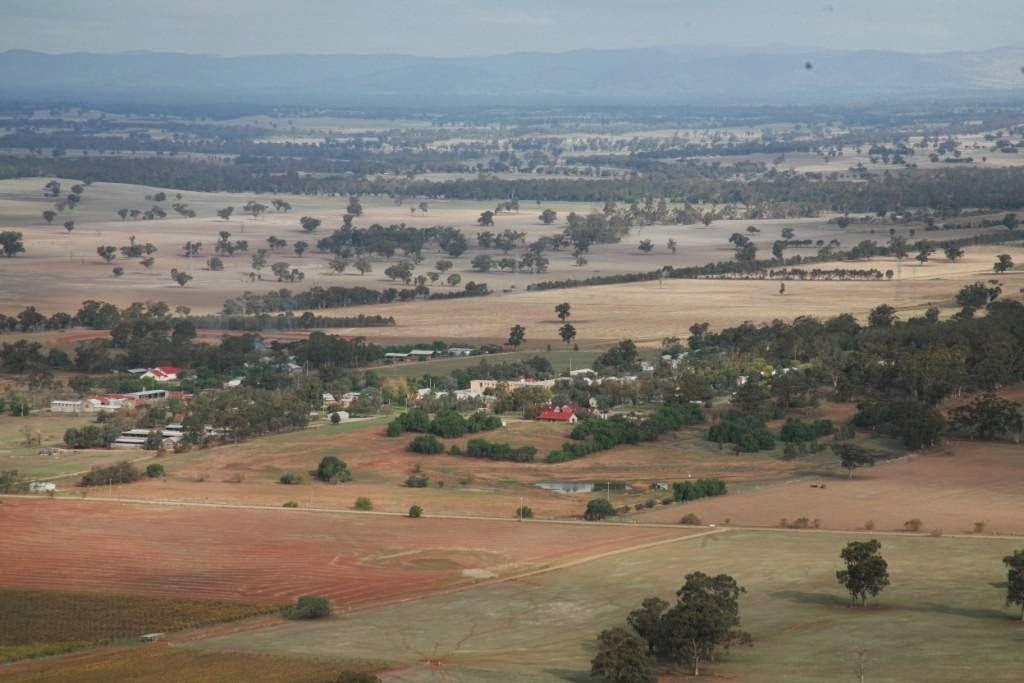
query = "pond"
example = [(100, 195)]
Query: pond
[(581, 486)]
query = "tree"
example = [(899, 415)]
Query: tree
[(702, 622), (443, 265), (181, 277), (215, 263), (622, 658), (118, 271), (354, 208), (363, 265), (454, 279), (333, 470), (49, 215), (882, 316), (338, 264), (309, 224), (10, 243), (672, 245), (866, 573), (108, 253), (1004, 263), (645, 246), (226, 212), (482, 263), (852, 456), (646, 620), (562, 310), (69, 225), (486, 218), (567, 332), (300, 248), (598, 509), (548, 216), (516, 336), (123, 213), (953, 252), (415, 511), (1015, 580), (1010, 221), (989, 416), (399, 271)]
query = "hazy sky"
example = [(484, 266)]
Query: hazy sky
[(473, 27)]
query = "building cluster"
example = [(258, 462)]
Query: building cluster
[(104, 403)]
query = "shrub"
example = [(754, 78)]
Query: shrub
[(913, 525), (795, 431), (309, 607), (869, 525), (524, 512), (292, 478), (426, 443), (691, 519), (332, 469), (482, 448), (650, 502), (598, 509), (417, 481), (363, 503), (456, 449), (449, 424), (154, 470), (121, 473), (694, 490), (290, 504), (979, 527), (415, 511)]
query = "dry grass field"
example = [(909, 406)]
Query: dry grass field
[(948, 489)]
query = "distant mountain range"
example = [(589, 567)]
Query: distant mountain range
[(657, 75)]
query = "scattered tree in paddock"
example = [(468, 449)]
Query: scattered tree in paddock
[(108, 253), (49, 215), (1004, 263), (562, 310), (415, 511), (308, 607), (516, 336), (548, 216), (866, 573), (226, 212), (180, 277), (567, 332), (852, 456), (309, 224), (598, 509), (1015, 580), (333, 470)]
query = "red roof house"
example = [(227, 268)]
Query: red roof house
[(164, 373), (566, 413)]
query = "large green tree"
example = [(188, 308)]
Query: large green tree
[(1015, 580), (866, 573), (703, 622), (622, 658)]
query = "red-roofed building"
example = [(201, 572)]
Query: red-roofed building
[(164, 373), (566, 413)]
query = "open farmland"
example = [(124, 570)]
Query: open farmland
[(272, 556), (59, 269), (926, 625), (948, 489)]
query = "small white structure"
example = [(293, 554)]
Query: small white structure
[(42, 486), (460, 351), (339, 416)]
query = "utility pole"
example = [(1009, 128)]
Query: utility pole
[(520, 508)]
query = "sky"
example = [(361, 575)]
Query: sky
[(481, 27)]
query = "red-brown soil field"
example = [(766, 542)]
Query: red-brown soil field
[(272, 556)]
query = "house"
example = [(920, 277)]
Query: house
[(327, 398), (66, 406), (42, 486), (566, 413), (164, 373), (421, 353)]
